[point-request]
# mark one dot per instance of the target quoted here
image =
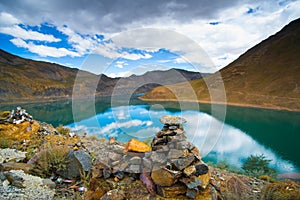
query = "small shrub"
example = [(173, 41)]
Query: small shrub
[(284, 190), (51, 161), (63, 130), (267, 178), (258, 165)]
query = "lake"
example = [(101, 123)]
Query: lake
[(245, 131)]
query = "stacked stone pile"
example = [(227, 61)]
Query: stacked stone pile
[(181, 171), (174, 165), (15, 117)]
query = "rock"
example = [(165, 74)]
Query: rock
[(191, 193), (196, 153), (49, 183), (113, 195), (147, 180), (184, 145), (173, 127), (8, 155), (136, 146), (134, 169), (78, 162), (16, 166), (172, 120), (175, 153), (201, 168), (24, 186), (135, 160), (189, 170), (158, 157), (182, 163), (204, 179), (191, 182), (147, 164), (171, 191), (164, 177), (114, 156)]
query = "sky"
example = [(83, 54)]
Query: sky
[(124, 37)]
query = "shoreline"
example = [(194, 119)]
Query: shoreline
[(49, 100), (224, 103)]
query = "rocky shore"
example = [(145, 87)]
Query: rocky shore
[(38, 161)]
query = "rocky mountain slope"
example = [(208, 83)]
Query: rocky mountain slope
[(267, 75), (27, 80)]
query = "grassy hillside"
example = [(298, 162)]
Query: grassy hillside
[(28, 80), (267, 75)]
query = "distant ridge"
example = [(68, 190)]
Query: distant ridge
[(25, 80), (267, 75)]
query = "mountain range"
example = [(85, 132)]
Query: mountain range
[(267, 75), (24, 80)]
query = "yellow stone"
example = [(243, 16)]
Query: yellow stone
[(204, 179), (136, 146)]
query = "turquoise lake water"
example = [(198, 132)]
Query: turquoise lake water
[(245, 131)]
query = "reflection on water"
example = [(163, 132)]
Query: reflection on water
[(246, 130), (138, 121)]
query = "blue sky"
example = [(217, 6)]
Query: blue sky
[(120, 38)]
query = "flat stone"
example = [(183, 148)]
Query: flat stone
[(171, 191), (136, 146), (191, 182), (189, 170), (114, 156), (172, 120), (164, 177), (185, 145), (182, 163), (147, 163), (16, 166), (135, 160), (175, 153), (173, 127), (134, 169), (196, 153), (178, 138), (158, 157)]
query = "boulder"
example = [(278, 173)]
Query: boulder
[(78, 162), (136, 146), (164, 177)]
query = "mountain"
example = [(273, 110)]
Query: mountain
[(28, 80), (267, 75)]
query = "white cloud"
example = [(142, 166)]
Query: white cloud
[(43, 50), (18, 32), (7, 19), (112, 127), (120, 64)]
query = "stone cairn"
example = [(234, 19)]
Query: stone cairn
[(15, 117), (181, 171), (173, 167)]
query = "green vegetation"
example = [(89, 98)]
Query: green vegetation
[(63, 130), (287, 190), (51, 160), (258, 165)]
